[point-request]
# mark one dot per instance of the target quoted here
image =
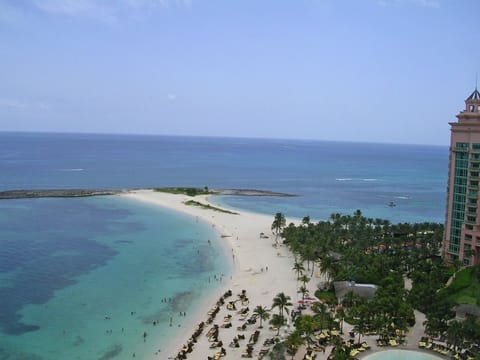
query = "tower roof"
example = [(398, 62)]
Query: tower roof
[(474, 96)]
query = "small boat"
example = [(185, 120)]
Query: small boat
[(392, 204)]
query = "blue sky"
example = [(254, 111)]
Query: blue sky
[(355, 70)]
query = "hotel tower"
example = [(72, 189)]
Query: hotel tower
[(462, 227)]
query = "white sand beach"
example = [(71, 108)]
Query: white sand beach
[(260, 267)]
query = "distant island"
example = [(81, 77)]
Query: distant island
[(71, 193)]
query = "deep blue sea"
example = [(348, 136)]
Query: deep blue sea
[(85, 278)]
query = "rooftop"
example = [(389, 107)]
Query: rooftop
[(366, 291), (474, 96)]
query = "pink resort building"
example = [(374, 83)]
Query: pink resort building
[(462, 226)]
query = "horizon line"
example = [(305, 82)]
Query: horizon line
[(212, 136)]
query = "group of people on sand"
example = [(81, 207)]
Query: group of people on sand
[(188, 347), (218, 278)]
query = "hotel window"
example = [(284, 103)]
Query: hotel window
[(472, 108), (454, 248)]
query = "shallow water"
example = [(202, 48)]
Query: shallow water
[(94, 281)]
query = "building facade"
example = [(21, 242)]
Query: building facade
[(462, 226)]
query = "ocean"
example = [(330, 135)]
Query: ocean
[(86, 278)]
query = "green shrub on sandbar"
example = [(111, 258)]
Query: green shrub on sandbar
[(208, 207), (190, 191)]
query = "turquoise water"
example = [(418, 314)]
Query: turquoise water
[(401, 355), (66, 264), (73, 298)]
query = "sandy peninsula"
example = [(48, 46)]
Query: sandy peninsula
[(261, 269)]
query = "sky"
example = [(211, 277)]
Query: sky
[(391, 71)]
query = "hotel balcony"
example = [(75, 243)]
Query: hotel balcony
[(471, 223)]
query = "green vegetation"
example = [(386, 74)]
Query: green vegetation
[(278, 224), (190, 191), (208, 207), (465, 287), (262, 312), (374, 251), (327, 296)]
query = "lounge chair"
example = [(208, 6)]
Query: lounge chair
[(365, 346), (354, 352), (269, 342), (392, 342)]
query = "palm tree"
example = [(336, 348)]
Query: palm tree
[(278, 224), (304, 279), (282, 301), (278, 351), (293, 342), (308, 254), (362, 321), (340, 315), (304, 291), (277, 322), (320, 308), (262, 313), (454, 333), (307, 325), (350, 299), (306, 220), (298, 268), (327, 267), (341, 352)]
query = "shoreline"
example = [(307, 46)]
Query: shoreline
[(258, 267), (239, 235)]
